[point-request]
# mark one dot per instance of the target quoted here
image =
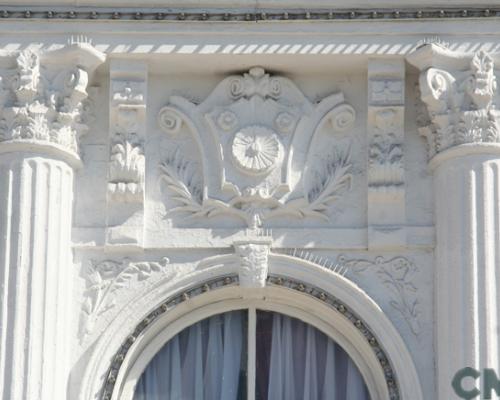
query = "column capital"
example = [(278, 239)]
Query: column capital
[(458, 92), (43, 99)]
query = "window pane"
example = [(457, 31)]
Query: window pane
[(206, 361), (295, 361)]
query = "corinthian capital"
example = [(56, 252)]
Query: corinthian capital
[(43, 98), (458, 91)]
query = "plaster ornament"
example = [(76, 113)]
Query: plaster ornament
[(459, 104), (249, 174), (227, 120), (255, 149), (105, 279), (386, 91), (126, 170), (127, 162), (170, 120), (385, 152), (285, 122), (43, 99), (127, 93), (254, 267), (255, 82), (397, 274)]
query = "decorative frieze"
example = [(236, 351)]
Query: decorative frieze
[(43, 96), (458, 98), (386, 186), (255, 121)]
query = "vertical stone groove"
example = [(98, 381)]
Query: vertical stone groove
[(35, 226)]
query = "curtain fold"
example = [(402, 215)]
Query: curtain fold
[(297, 362), (307, 365), (202, 362)]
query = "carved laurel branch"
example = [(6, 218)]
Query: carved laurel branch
[(104, 278), (397, 275), (331, 180)]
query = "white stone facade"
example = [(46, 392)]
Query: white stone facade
[(159, 165)]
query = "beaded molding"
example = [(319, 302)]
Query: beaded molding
[(232, 280), (236, 16)]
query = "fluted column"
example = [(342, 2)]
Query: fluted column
[(463, 136), (42, 116)]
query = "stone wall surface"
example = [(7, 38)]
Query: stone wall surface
[(152, 163)]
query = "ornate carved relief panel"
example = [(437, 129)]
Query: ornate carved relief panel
[(255, 134)]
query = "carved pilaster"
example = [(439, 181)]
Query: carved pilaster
[(128, 87), (458, 91), (42, 116), (386, 186)]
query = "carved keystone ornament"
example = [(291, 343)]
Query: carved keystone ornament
[(254, 134)]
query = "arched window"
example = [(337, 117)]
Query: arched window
[(251, 355)]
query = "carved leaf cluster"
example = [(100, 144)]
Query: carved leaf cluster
[(330, 182), (397, 274), (460, 105), (104, 278), (181, 180), (127, 164), (254, 206), (38, 106)]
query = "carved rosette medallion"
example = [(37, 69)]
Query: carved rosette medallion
[(255, 149), (43, 97), (246, 131)]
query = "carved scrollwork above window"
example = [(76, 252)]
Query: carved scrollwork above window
[(254, 135)]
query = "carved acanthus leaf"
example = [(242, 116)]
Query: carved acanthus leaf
[(104, 278), (127, 164), (43, 101), (460, 105), (397, 274)]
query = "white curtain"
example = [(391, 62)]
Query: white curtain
[(201, 363), (295, 362), (306, 365)]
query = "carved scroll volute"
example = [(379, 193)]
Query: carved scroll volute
[(457, 91), (43, 99), (438, 91), (250, 131)]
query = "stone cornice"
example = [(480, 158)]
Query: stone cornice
[(245, 13), (43, 99), (458, 92)]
